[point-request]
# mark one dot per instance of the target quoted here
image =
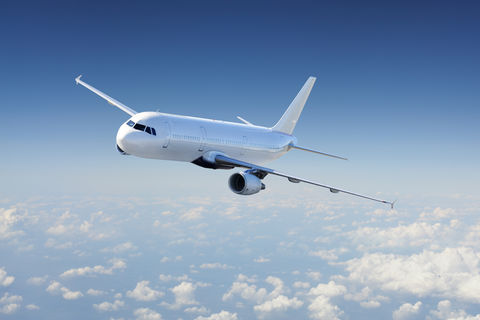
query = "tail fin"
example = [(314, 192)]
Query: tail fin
[(289, 119)]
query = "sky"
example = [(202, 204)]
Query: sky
[(84, 230)]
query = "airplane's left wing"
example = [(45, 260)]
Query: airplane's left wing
[(263, 171), (110, 100)]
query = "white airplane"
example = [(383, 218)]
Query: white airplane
[(217, 144)]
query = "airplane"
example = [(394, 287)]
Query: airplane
[(218, 144)]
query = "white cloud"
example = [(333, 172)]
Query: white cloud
[(222, 315), (37, 281), (407, 311), (109, 306), (56, 287), (59, 229), (5, 280), (328, 255), (321, 308), (444, 312), (146, 314), (314, 275), (261, 260), (301, 285), (280, 303), (8, 219), (330, 289), (193, 214), (94, 292), (143, 292), (198, 310), (415, 234), (437, 214), (246, 291), (122, 247), (453, 272), (184, 294), (32, 307), (117, 264), (215, 265), (10, 304)]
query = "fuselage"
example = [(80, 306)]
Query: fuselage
[(183, 138)]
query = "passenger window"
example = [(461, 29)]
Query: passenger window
[(147, 130), (153, 132), (130, 123), (139, 126)]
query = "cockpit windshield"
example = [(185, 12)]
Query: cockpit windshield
[(141, 127)]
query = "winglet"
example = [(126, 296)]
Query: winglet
[(392, 204), (77, 79)]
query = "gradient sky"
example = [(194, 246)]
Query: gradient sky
[(397, 92)]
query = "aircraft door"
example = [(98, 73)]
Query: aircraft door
[(163, 132), (203, 135)]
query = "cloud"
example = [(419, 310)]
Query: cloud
[(109, 306), (5, 280), (453, 272), (95, 293), (215, 265), (56, 287), (37, 281), (184, 294), (198, 310), (321, 308), (117, 264), (8, 219), (10, 304), (146, 314), (143, 292), (280, 303), (122, 247), (330, 289), (192, 214), (415, 234), (444, 311), (32, 307), (245, 290), (438, 213), (222, 315), (261, 260), (407, 311)]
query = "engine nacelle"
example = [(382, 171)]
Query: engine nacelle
[(245, 183)]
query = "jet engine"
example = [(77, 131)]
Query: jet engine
[(245, 183)]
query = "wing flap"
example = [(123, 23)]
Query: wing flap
[(223, 159)]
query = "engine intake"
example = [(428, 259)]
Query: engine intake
[(245, 183)]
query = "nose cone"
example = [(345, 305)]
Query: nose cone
[(125, 139)]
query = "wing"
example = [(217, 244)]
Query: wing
[(263, 171), (110, 100)]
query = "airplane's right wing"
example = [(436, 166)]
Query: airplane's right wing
[(263, 171), (110, 100)]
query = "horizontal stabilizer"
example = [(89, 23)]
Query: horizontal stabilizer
[(317, 152)]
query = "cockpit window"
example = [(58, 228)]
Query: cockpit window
[(139, 126), (142, 127)]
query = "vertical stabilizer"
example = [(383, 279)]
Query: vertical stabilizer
[(289, 119)]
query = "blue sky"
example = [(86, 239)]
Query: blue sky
[(397, 92)]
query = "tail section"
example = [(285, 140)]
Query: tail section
[(289, 119)]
